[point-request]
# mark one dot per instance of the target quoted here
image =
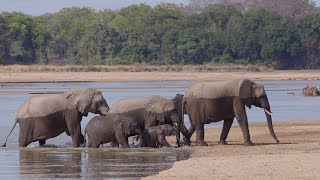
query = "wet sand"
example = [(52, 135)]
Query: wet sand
[(154, 76), (297, 156)]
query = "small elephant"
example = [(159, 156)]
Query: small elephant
[(156, 136), (207, 102), (152, 111), (42, 117), (113, 128)]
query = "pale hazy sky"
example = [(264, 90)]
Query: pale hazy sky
[(38, 7)]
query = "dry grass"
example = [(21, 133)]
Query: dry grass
[(310, 90), (130, 68)]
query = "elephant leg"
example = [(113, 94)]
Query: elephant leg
[(227, 123), (115, 144), (93, 144), (73, 119), (25, 135), (23, 140), (124, 143), (186, 139), (241, 115), (42, 142), (162, 141), (200, 136), (122, 139)]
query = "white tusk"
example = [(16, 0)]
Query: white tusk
[(268, 112), (176, 124)]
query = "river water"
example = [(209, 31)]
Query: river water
[(33, 162)]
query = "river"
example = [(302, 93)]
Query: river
[(33, 162)]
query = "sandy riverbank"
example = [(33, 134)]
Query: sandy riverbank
[(154, 76), (142, 73), (297, 156)]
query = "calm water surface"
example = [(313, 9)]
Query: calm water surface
[(34, 162)]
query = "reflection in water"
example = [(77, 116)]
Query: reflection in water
[(100, 163), (50, 163)]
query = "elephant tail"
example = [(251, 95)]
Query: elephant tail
[(14, 125)]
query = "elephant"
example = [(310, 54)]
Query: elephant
[(42, 117), (112, 127), (206, 102), (152, 111), (156, 136)]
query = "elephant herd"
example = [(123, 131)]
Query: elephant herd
[(149, 119)]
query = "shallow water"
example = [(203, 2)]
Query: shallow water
[(34, 162)]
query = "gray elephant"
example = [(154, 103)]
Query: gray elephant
[(207, 102), (152, 111), (156, 136), (113, 128), (42, 117)]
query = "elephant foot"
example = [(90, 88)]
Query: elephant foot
[(248, 143), (222, 142), (202, 143), (185, 141)]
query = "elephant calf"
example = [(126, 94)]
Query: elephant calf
[(156, 136), (113, 128)]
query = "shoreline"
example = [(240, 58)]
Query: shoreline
[(296, 156), (35, 77)]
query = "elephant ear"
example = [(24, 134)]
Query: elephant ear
[(158, 106), (177, 101), (247, 91), (259, 90), (80, 99)]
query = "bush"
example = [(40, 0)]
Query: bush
[(310, 91)]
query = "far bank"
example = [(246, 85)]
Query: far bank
[(36, 73)]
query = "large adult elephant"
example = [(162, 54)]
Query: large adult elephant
[(46, 116), (152, 111), (207, 102)]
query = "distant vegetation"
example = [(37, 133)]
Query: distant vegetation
[(282, 35)]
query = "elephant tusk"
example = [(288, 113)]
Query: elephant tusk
[(176, 124), (268, 112)]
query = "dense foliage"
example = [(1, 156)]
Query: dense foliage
[(164, 34)]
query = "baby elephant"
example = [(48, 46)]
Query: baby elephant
[(156, 136), (113, 128)]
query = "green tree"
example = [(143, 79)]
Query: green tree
[(21, 44), (309, 29), (262, 36), (4, 44)]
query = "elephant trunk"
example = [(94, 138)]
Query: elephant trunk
[(269, 119), (103, 110), (177, 131)]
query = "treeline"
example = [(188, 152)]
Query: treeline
[(164, 34)]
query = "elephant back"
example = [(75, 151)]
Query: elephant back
[(159, 104), (40, 106), (125, 105), (216, 89)]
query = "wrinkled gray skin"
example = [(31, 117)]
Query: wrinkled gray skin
[(152, 111), (42, 117), (207, 102), (113, 128), (156, 136)]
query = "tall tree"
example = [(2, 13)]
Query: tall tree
[(309, 28)]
